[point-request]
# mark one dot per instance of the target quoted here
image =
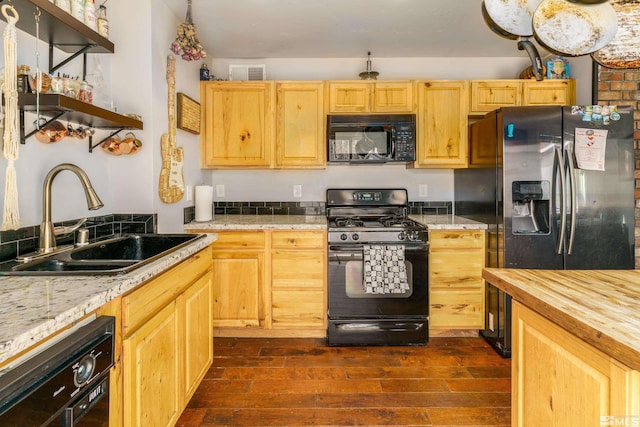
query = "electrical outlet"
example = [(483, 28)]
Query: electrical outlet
[(297, 191), (423, 190), (188, 189), (219, 190)]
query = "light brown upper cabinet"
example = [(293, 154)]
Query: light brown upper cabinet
[(489, 95), (300, 125), (237, 124), (442, 124), (262, 125), (370, 97)]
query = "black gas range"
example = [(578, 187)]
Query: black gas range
[(378, 269)]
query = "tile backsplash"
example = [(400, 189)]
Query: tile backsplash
[(25, 240), (303, 208)]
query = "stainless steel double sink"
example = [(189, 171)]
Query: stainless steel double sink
[(116, 255)]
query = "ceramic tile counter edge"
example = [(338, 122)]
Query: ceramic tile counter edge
[(448, 222), (260, 222), (33, 308)]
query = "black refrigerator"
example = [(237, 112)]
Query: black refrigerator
[(556, 187)]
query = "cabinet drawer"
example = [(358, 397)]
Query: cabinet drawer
[(450, 239), (456, 269), (456, 309), (144, 302), (297, 270), (298, 309), (239, 239), (300, 239)]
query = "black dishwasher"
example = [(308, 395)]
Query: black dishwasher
[(66, 384)]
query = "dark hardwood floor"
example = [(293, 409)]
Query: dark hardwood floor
[(302, 382)]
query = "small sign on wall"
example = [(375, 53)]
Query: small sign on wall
[(188, 114)]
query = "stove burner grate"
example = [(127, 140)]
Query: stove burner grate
[(349, 222)]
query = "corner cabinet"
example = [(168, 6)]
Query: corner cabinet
[(442, 124), (560, 380), (489, 95), (262, 125), (61, 30), (370, 97)]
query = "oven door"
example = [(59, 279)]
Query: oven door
[(348, 299)]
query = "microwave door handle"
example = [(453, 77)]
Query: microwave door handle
[(558, 168)]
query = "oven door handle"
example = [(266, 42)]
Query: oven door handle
[(342, 254)]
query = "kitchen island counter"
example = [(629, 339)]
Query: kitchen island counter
[(259, 222), (33, 308), (598, 306), (448, 222)]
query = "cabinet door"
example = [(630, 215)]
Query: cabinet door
[(298, 289), (442, 124), (300, 141), (549, 92), (237, 124), (489, 95), (349, 97), (151, 366), (393, 97), (560, 380), (198, 351), (237, 284), (456, 287)]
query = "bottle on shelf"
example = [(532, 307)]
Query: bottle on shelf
[(64, 5), (90, 19), (23, 85), (103, 22), (77, 9)]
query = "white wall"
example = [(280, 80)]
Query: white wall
[(142, 32)]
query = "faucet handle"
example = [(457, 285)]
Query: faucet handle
[(61, 229)]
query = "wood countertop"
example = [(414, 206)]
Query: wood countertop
[(602, 307)]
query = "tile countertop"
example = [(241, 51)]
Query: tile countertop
[(448, 222), (598, 306), (260, 222), (35, 307)]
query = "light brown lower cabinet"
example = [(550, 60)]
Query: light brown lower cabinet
[(560, 380), (269, 283), (456, 287), (166, 342)]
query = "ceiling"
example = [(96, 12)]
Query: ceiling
[(343, 28)]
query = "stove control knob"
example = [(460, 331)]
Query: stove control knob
[(413, 235), (355, 236), (344, 236), (402, 236)]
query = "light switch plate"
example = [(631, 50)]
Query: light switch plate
[(188, 189), (297, 191), (219, 190), (423, 190)]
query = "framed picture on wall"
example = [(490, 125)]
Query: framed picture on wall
[(188, 114)]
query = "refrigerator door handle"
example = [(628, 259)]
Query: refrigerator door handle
[(572, 188), (558, 167)]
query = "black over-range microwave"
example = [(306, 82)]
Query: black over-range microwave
[(371, 138)]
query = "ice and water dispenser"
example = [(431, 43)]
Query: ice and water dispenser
[(531, 207)]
